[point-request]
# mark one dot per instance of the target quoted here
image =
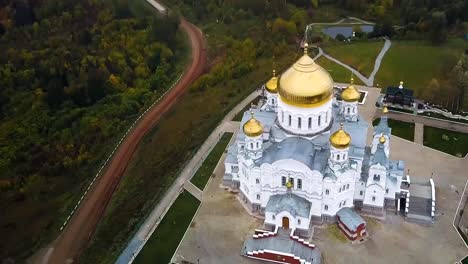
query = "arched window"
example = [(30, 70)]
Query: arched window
[(257, 181), (344, 156), (327, 192), (373, 198), (283, 181), (298, 221), (251, 145), (272, 101), (273, 217), (257, 144), (349, 110), (347, 186), (361, 193), (282, 116), (344, 203), (338, 157), (339, 205), (299, 123), (319, 120), (326, 207), (290, 120), (339, 190), (326, 117), (258, 196), (310, 122), (299, 184)]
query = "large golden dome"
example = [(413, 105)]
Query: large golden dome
[(305, 83), (253, 127), (350, 94), (340, 139), (272, 85)]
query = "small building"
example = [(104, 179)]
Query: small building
[(352, 225), (399, 95)]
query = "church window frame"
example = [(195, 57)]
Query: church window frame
[(257, 144), (326, 117), (348, 110), (298, 221), (347, 186), (339, 205), (273, 217), (258, 196), (283, 181), (373, 198), (327, 192), (325, 207), (339, 190), (319, 120), (299, 123), (251, 145), (289, 120), (386, 190), (257, 181), (299, 184), (292, 181), (338, 157), (361, 193), (376, 177), (310, 122), (344, 156), (344, 202), (282, 116)]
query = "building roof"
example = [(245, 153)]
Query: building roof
[(283, 243), (289, 202), (295, 148), (391, 90), (380, 157), (350, 218), (382, 127)]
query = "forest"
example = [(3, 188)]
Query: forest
[(73, 77)]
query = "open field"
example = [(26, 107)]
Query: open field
[(399, 128), (359, 55), (451, 142), (165, 239), (205, 171), (417, 62), (338, 72)]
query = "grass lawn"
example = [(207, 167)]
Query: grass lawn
[(338, 72), (451, 142), (164, 241), (399, 128), (417, 62), (359, 55), (203, 173)]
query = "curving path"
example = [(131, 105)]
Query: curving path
[(368, 81), (82, 224)]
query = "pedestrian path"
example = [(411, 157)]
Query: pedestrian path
[(368, 81), (418, 133), (193, 190)]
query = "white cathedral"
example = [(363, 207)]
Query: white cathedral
[(302, 156)]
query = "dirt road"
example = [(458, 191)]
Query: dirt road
[(78, 232)]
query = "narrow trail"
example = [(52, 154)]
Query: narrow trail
[(368, 81), (76, 235)]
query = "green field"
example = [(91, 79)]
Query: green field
[(417, 62), (451, 142), (359, 55), (164, 241), (338, 72), (399, 128), (203, 173)]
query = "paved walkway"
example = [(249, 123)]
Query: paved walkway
[(193, 190), (150, 224), (367, 81), (418, 133)]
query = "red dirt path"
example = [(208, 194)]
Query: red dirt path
[(82, 225)]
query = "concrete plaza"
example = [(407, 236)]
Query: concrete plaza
[(221, 225)]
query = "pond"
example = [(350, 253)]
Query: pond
[(346, 31)]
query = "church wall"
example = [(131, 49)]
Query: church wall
[(323, 111), (374, 196)]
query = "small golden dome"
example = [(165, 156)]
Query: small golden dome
[(305, 83), (385, 109), (253, 127), (382, 139), (289, 184), (272, 85), (340, 139), (350, 94)]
